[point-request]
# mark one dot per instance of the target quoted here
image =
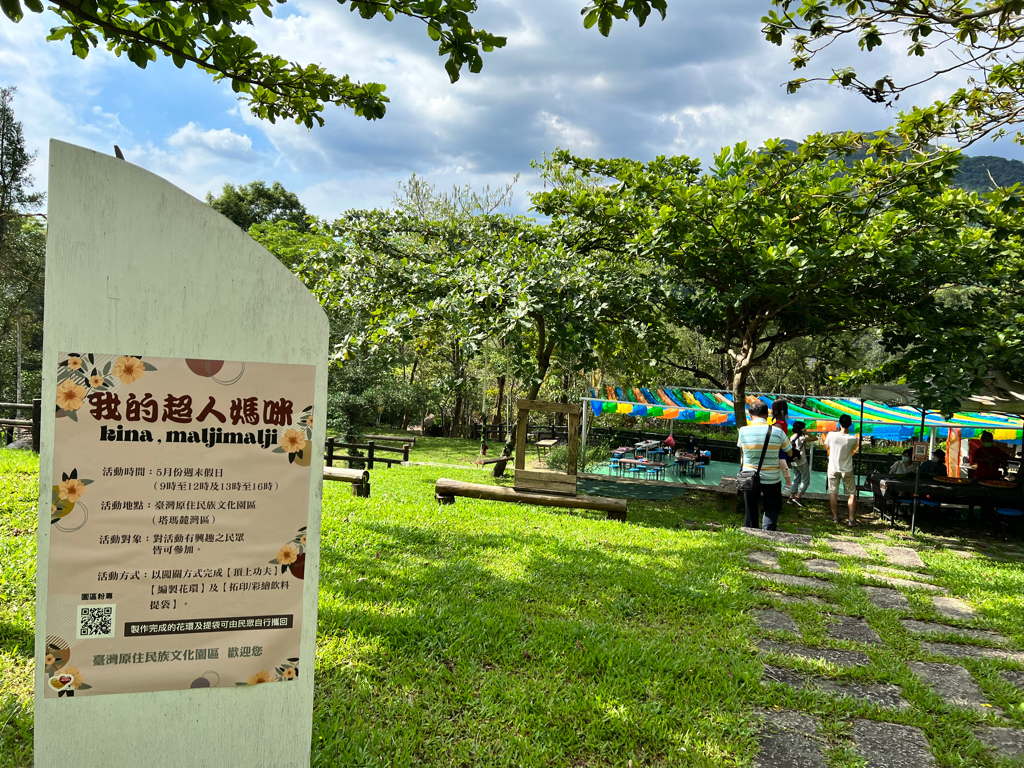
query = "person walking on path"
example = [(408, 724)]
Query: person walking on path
[(751, 441), (780, 420), (841, 446), (800, 463)]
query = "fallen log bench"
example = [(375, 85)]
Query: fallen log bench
[(446, 490), (359, 478)]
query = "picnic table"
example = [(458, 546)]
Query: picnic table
[(645, 446), (545, 445), (660, 466), (972, 494)]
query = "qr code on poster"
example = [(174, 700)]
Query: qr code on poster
[(95, 621)]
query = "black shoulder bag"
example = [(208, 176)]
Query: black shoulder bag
[(750, 479)]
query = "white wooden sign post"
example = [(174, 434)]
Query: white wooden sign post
[(184, 391)]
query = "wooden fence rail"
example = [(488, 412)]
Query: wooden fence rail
[(371, 456), (7, 426)]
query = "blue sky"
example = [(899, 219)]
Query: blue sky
[(702, 79)]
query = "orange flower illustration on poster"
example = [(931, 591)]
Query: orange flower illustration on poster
[(297, 439), (80, 376), (292, 555), (65, 497)]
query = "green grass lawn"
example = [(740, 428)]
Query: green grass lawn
[(493, 634)]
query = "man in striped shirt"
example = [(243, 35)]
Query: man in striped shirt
[(751, 442)]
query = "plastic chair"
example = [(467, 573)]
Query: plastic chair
[(1006, 514), (613, 466)]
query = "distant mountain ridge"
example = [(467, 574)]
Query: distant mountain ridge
[(973, 174)]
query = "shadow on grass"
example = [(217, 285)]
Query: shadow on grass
[(16, 640), (591, 643)]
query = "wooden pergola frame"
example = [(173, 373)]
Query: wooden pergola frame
[(546, 480)]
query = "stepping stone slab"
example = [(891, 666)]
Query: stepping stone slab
[(887, 745), (1014, 678), (953, 608), (822, 566), (899, 574), (893, 581), (962, 553), (793, 581), (954, 685), (887, 598), (839, 658), (775, 621), (779, 536), (851, 548), (903, 556), (788, 742), (850, 628), (1008, 743), (971, 652), (765, 559), (944, 629), (878, 694), (793, 600)]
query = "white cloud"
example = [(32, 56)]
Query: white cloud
[(567, 135), (222, 143)]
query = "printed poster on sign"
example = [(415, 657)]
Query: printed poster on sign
[(177, 523)]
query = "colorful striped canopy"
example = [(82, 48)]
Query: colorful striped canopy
[(818, 414)]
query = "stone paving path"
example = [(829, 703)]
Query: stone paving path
[(971, 652), (1014, 678), (843, 547), (903, 556), (775, 621), (1008, 743), (789, 741), (953, 608), (887, 745), (779, 536), (764, 558), (893, 581), (954, 685), (898, 573), (887, 598), (794, 600), (944, 629), (793, 581), (822, 566), (850, 628), (878, 694), (831, 655)]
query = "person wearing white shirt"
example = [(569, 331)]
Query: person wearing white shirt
[(841, 446)]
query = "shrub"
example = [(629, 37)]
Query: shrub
[(558, 457)]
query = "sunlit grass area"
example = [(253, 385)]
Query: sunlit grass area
[(492, 634)]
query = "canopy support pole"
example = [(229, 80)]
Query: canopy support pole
[(860, 446), (917, 481), (586, 407)]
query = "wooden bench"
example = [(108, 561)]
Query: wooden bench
[(359, 478), (726, 496), (446, 490)]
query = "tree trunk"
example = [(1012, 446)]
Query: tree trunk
[(456, 430), (563, 398), (499, 401), (739, 394), (412, 375)]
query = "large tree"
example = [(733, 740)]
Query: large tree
[(256, 203), (21, 259), (771, 246), (981, 41), (206, 33)]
